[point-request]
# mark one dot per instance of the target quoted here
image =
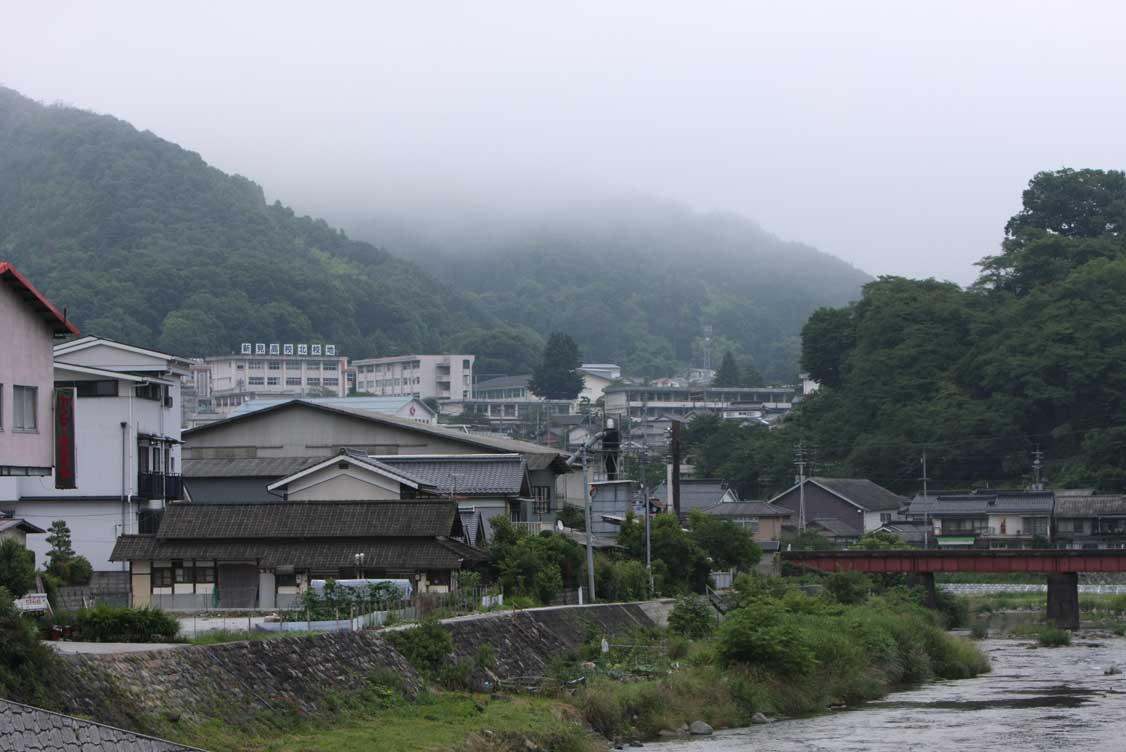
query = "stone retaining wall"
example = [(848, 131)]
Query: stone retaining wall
[(235, 681), (232, 681), (525, 642)]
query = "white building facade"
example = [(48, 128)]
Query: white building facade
[(127, 448), (441, 377), (219, 384)]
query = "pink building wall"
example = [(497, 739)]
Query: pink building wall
[(26, 359)]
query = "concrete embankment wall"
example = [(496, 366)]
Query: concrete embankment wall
[(525, 642), (237, 680), (231, 681)]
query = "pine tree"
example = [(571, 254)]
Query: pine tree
[(728, 373), (557, 375), (58, 538)]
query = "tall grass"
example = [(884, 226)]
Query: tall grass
[(787, 655)]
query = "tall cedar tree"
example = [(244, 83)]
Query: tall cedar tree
[(728, 373), (557, 375)]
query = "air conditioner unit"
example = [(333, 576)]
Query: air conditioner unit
[(168, 401)]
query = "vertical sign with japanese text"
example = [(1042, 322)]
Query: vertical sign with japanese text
[(64, 439)]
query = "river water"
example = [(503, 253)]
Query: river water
[(1035, 699)]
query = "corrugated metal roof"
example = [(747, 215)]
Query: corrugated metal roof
[(539, 457), (256, 467), (484, 475)]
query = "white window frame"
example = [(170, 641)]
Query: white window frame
[(18, 425)]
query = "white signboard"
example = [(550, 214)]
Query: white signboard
[(33, 602), (287, 349), (330, 349), (316, 349), (260, 348), (302, 349), (246, 348), (275, 349)]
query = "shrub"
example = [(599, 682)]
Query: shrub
[(76, 570), (467, 579), (621, 580), (848, 587), (979, 630), (17, 567), (1053, 637), (763, 635), (25, 662), (427, 647), (955, 610), (122, 624), (692, 617)]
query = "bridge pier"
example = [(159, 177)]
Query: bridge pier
[(1063, 600), (924, 580)]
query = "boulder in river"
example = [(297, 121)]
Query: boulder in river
[(759, 718), (699, 728)]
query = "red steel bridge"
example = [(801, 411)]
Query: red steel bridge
[(1062, 568)]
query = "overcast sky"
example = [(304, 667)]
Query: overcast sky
[(897, 135)]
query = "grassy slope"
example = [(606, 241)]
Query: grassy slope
[(444, 720)]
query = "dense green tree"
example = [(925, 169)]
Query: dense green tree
[(680, 565), (535, 566), (727, 545), (749, 375), (827, 338), (557, 376), (727, 375), (1032, 356), (500, 350), (1069, 217), (17, 568)]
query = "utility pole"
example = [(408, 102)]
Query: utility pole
[(926, 504), (589, 534), (674, 491), (1037, 466), (645, 507), (645, 485), (800, 461)]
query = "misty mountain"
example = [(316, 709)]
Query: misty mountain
[(146, 243), (634, 279)]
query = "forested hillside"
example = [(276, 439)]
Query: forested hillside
[(638, 280), (143, 241), (1032, 356)]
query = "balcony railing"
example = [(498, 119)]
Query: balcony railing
[(159, 485), (533, 528)]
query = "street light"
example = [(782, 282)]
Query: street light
[(359, 566)]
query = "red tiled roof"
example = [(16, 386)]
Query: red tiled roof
[(35, 299)]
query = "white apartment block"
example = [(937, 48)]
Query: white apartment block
[(222, 383), (443, 377)]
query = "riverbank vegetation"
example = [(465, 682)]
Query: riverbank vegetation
[(778, 652)]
